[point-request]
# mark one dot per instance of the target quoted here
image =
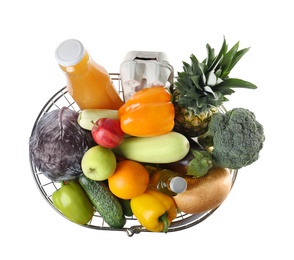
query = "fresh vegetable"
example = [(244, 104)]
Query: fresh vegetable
[(58, 143), (202, 87), (88, 116), (105, 203), (236, 138), (98, 163), (149, 112), (129, 180), (165, 148), (126, 206), (154, 210), (196, 163), (107, 132), (205, 193), (73, 202)]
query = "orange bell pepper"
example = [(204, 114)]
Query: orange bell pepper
[(149, 112)]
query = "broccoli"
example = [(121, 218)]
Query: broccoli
[(236, 138)]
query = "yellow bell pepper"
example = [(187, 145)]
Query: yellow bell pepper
[(149, 112), (154, 210)]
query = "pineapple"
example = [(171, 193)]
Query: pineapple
[(201, 88)]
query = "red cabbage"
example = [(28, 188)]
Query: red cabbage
[(58, 143)]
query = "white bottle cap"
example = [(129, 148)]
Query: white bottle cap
[(69, 52), (178, 184)]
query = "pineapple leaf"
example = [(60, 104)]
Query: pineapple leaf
[(218, 73), (187, 67), (191, 95), (209, 90), (219, 57), (195, 79), (233, 83), (197, 67), (210, 56), (183, 75), (218, 99), (225, 65), (226, 91), (183, 85), (201, 101), (212, 79), (228, 57), (238, 55)]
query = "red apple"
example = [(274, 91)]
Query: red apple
[(106, 132)]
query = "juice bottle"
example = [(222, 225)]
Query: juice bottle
[(168, 182), (88, 83)]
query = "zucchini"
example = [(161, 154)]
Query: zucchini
[(88, 116), (170, 147), (105, 203)]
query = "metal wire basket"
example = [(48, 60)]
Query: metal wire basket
[(132, 226)]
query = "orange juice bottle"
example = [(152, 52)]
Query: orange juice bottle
[(88, 83), (167, 182)]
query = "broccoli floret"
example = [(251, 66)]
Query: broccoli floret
[(237, 138)]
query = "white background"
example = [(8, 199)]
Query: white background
[(255, 221)]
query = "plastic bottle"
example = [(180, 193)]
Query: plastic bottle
[(88, 83), (168, 182)]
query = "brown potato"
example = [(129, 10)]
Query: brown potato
[(205, 193)]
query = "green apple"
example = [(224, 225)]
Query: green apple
[(98, 163)]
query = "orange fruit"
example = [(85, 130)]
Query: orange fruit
[(129, 180)]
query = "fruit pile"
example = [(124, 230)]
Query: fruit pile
[(112, 161)]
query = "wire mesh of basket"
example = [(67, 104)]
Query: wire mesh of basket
[(132, 226)]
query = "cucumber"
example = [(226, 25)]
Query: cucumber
[(126, 206), (86, 116), (170, 147), (105, 203)]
